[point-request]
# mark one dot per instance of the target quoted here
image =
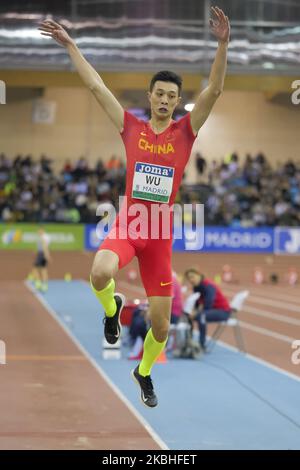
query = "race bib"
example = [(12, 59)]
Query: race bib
[(152, 182)]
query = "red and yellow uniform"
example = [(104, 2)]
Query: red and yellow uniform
[(155, 166)]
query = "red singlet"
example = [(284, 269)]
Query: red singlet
[(155, 166)]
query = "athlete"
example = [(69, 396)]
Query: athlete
[(39, 272), (157, 152)]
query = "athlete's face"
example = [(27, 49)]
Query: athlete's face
[(164, 99), (194, 278)]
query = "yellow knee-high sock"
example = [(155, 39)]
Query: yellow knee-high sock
[(152, 350), (106, 298)]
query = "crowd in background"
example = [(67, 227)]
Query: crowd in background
[(30, 191), (236, 193), (246, 194)]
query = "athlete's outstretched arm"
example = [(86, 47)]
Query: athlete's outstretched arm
[(220, 27), (87, 73)]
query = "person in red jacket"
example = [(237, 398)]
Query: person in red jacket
[(212, 305)]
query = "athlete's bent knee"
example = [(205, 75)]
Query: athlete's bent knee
[(101, 276), (160, 334)]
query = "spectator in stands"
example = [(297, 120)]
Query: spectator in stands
[(99, 168), (68, 167), (113, 163), (200, 164), (212, 305)]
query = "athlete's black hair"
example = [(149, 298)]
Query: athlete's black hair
[(167, 76)]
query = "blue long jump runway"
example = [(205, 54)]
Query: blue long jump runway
[(223, 401)]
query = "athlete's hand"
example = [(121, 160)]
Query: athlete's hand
[(54, 30), (220, 26)]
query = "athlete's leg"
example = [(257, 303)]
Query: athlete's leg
[(104, 268), (33, 275), (156, 273), (113, 255), (38, 264), (38, 280), (44, 279), (44, 275), (155, 341)]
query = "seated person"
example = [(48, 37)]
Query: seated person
[(212, 305), (138, 330)]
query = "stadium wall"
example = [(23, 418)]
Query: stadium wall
[(241, 121)]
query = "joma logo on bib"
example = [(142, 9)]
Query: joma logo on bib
[(152, 182), (154, 169)]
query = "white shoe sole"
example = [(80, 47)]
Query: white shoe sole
[(123, 299)]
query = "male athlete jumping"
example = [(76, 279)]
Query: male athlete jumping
[(159, 148)]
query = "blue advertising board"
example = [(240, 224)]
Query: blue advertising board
[(287, 240), (218, 240), (93, 237), (226, 239)]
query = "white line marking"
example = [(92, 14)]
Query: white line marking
[(266, 332), (117, 391), (272, 316), (275, 295), (261, 361), (274, 303)]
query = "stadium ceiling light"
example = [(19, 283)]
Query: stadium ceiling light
[(24, 33), (268, 65), (189, 106)]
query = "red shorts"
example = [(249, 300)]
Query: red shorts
[(154, 258)]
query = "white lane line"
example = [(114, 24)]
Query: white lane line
[(266, 332), (271, 303), (294, 299), (271, 316), (266, 314), (105, 377), (261, 361), (274, 303)]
